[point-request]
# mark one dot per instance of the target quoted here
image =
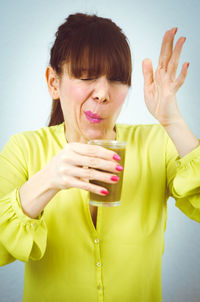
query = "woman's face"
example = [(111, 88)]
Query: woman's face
[(90, 106)]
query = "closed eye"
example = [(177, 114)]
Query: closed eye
[(111, 80), (87, 79)]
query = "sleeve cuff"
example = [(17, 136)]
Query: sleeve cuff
[(183, 162), (17, 207), (23, 237)]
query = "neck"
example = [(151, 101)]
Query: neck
[(74, 137)]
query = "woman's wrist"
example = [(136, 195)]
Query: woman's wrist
[(36, 193)]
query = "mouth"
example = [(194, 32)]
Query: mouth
[(93, 117)]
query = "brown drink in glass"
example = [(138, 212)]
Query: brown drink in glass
[(114, 196)]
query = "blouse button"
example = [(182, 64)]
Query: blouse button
[(98, 264), (96, 240), (33, 225)]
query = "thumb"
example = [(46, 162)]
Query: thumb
[(147, 69)]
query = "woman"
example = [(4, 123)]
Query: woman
[(73, 251)]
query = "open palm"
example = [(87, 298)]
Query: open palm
[(160, 88)]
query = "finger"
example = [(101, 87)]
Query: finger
[(181, 78), (89, 187), (93, 151), (147, 69), (173, 63), (167, 48), (93, 162), (91, 174)]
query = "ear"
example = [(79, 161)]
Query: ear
[(53, 83)]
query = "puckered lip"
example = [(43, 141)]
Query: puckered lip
[(93, 115)]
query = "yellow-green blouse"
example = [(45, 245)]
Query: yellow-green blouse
[(67, 259)]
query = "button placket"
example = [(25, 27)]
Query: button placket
[(98, 263), (95, 232)]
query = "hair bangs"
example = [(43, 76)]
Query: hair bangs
[(98, 52)]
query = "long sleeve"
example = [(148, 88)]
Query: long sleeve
[(183, 180), (21, 237)]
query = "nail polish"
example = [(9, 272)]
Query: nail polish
[(104, 192), (119, 168), (116, 157), (114, 178)]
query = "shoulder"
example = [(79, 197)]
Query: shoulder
[(42, 135), (32, 141)]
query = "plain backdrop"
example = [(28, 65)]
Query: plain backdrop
[(27, 30)]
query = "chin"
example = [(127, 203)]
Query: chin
[(95, 134)]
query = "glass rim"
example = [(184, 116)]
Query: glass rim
[(107, 142)]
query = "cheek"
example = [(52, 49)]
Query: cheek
[(120, 96), (73, 94), (77, 93)]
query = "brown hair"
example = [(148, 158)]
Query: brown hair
[(91, 45)]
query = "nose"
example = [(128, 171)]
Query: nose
[(101, 90)]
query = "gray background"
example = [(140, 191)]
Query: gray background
[(27, 31)]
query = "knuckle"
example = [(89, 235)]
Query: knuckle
[(92, 150), (64, 158), (86, 186), (72, 147), (95, 150), (65, 183), (69, 156), (67, 147), (93, 162), (64, 171), (91, 174), (61, 171)]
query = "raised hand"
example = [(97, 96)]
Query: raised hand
[(160, 88)]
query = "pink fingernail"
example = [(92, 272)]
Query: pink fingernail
[(175, 31), (114, 178), (188, 64), (119, 168), (116, 157), (104, 192)]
